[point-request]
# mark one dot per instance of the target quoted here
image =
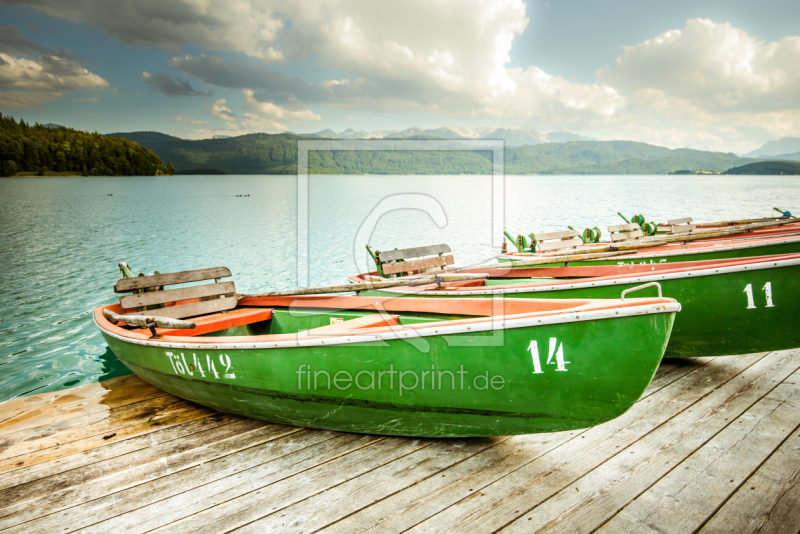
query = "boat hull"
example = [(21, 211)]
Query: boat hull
[(726, 311), (589, 379), (678, 253)]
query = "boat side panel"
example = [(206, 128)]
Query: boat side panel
[(721, 314), (527, 380)]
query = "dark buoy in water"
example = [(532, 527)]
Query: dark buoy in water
[(110, 195)]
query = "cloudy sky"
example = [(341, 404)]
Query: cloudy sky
[(716, 74)]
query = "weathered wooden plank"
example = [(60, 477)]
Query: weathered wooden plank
[(687, 496), (558, 245), (339, 501), (108, 467), (685, 220), (682, 229), (29, 440), (416, 265), (171, 499), (124, 285), (592, 499), (174, 415), (555, 235), (769, 501), (417, 503), (135, 444), (242, 510), (46, 512), (513, 495), (192, 309), (623, 227), (48, 408), (625, 236), (173, 295), (414, 252)]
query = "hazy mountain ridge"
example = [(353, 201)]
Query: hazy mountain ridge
[(512, 137), (277, 154), (783, 146)]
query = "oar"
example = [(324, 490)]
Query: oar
[(363, 286), (541, 259)]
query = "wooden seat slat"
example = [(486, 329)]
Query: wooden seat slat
[(174, 295), (555, 235), (685, 220), (564, 243), (414, 252), (193, 309), (416, 265), (625, 236), (125, 285), (623, 227), (682, 229)]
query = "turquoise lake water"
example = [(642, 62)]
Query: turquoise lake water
[(62, 238)]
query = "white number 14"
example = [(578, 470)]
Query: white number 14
[(767, 291)]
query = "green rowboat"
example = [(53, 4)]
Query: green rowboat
[(411, 367), (743, 247), (728, 307)]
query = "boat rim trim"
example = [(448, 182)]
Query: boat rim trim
[(710, 271), (486, 324)]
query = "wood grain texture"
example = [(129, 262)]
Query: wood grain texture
[(173, 295), (414, 252), (417, 265), (713, 444), (193, 309), (124, 285)]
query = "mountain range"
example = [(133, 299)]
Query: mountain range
[(787, 148), (277, 154), (512, 137)]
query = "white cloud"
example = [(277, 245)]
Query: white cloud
[(448, 56), (32, 75), (47, 74), (219, 111), (229, 26), (185, 119), (714, 65)]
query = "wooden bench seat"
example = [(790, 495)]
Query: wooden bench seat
[(625, 232), (567, 239), (401, 262), (150, 298)]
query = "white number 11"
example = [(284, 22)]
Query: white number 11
[(767, 291)]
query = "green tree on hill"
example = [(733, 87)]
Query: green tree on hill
[(37, 149)]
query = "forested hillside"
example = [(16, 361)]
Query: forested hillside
[(772, 168), (39, 149), (277, 154)]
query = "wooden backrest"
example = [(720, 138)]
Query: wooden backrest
[(557, 240), (625, 232), (148, 291), (681, 226), (403, 261)]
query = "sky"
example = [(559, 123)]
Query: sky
[(715, 75)]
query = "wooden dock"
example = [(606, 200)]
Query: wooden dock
[(713, 446)]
